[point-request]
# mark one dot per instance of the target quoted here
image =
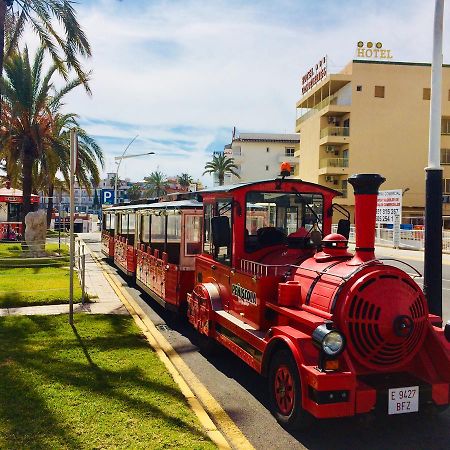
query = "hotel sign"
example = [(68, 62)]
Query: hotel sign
[(314, 75), (369, 50)]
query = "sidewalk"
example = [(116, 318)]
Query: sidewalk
[(103, 298)]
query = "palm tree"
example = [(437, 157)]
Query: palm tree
[(28, 119), (41, 15), (156, 184), (134, 192), (185, 180), (56, 157), (221, 165)]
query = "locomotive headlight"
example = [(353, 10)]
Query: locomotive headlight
[(331, 342)]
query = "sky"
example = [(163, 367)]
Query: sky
[(181, 74)]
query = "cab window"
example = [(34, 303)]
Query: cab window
[(217, 240), (273, 217)]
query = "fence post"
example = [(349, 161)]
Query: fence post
[(83, 277)]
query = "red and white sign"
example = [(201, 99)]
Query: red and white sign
[(389, 206), (314, 75)]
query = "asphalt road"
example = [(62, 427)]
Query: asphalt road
[(242, 394)]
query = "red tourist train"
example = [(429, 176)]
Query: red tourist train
[(255, 267)]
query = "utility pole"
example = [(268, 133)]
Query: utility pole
[(432, 280), (73, 161)]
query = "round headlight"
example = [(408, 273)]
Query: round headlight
[(333, 343)]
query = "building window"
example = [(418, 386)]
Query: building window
[(267, 168), (359, 88), (292, 170), (445, 125), (446, 186), (449, 94), (426, 93), (267, 149), (445, 156), (379, 91), (289, 151)]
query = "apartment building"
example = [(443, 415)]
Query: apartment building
[(373, 117), (258, 155)]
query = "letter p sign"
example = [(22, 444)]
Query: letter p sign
[(107, 196)]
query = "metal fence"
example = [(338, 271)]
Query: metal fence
[(404, 239)]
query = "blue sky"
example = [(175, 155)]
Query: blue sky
[(181, 74)]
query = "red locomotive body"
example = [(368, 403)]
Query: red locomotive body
[(335, 333)]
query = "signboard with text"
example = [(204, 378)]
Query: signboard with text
[(389, 206), (107, 197), (315, 74)]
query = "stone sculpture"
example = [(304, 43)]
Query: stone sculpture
[(36, 232)]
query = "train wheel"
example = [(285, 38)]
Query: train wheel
[(285, 393)]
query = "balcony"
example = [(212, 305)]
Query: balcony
[(334, 135), (332, 104), (333, 166)]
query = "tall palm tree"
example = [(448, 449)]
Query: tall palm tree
[(156, 184), (185, 180), (56, 157), (221, 165), (42, 15), (29, 105)]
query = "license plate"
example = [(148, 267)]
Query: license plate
[(403, 400)]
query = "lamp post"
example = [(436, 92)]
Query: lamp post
[(432, 278), (119, 159)]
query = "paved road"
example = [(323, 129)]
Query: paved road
[(242, 393)]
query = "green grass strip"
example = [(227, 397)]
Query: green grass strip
[(36, 286), (96, 386)]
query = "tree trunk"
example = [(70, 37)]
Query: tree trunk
[(221, 179), (51, 190), (2, 43), (27, 181)]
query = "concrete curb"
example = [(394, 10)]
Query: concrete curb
[(198, 397)]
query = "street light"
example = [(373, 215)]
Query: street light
[(119, 159)]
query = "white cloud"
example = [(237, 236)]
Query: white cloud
[(188, 70)]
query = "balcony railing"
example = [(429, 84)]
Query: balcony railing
[(333, 162), (334, 131), (332, 100)]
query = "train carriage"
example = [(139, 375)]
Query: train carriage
[(256, 268), (168, 238), (108, 232)]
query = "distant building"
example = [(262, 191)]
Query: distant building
[(258, 156)]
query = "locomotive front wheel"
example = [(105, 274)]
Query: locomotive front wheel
[(285, 393)]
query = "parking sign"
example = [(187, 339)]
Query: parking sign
[(107, 197)]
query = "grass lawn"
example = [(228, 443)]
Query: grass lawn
[(96, 386), (36, 286), (14, 250)]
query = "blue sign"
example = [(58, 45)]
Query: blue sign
[(107, 197)]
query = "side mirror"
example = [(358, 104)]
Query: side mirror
[(220, 231), (344, 228)]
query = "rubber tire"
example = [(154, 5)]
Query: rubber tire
[(298, 419)]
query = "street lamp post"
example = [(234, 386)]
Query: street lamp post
[(432, 277), (119, 159)]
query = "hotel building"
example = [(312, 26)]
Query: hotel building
[(373, 117)]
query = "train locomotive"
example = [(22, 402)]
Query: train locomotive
[(256, 268)]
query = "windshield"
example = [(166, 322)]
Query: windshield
[(272, 216)]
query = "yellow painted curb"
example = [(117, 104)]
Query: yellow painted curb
[(189, 384)]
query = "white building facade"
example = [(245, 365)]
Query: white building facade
[(258, 156)]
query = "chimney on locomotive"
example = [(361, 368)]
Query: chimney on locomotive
[(366, 192)]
